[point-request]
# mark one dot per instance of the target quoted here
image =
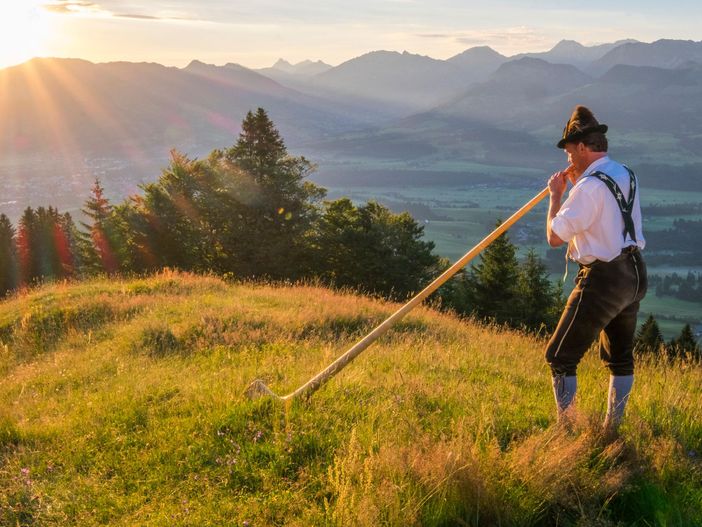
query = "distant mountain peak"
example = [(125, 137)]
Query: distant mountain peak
[(567, 45), (479, 51), (196, 64), (306, 67), (282, 64)]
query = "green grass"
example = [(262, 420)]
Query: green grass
[(121, 403)]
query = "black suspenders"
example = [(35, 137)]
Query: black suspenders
[(625, 206)]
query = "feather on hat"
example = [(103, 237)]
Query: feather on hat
[(581, 123)]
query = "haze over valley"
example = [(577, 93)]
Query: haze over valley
[(381, 118)]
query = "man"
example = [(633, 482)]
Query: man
[(601, 223)]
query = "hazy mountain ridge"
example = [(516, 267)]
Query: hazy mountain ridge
[(574, 53), (397, 79), (110, 107), (417, 112), (481, 61), (664, 53), (305, 68)]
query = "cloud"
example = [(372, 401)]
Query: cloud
[(136, 16), (510, 37), (70, 7), (82, 7)]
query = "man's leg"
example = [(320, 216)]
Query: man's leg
[(590, 307), (573, 336), (564, 389), (617, 352)]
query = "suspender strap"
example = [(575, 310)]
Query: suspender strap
[(625, 206)]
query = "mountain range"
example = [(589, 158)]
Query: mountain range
[(381, 108)]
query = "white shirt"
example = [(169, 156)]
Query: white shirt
[(590, 219)]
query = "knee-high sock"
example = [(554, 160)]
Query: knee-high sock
[(564, 388), (619, 390)]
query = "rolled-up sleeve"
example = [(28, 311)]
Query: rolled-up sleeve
[(576, 214)]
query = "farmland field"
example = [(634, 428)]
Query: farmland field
[(466, 214)]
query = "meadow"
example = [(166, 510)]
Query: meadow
[(122, 403)]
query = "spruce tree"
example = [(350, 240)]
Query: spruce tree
[(8, 256), (71, 260), (492, 285), (539, 300), (685, 345), (649, 338), (27, 247), (278, 208), (97, 245), (260, 146)]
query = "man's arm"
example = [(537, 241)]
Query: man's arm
[(556, 185)]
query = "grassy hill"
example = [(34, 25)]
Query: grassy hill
[(121, 403)]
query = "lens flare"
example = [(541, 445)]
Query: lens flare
[(24, 29)]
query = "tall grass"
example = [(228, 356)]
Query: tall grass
[(121, 403)]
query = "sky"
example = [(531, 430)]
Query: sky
[(255, 33)]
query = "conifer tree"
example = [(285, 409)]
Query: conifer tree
[(68, 236), (492, 285), (96, 245), (8, 256), (260, 146), (685, 345), (649, 338), (371, 249), (277, 215), (45, 245), (26, 253), (539, 300)]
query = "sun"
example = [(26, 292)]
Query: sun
[(24, 29)]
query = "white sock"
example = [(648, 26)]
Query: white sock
[(619, 390), (564, 388)]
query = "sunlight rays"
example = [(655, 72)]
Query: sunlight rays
[(58, 130), (24, 29), (101, 117)]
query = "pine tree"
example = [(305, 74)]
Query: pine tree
[(52, 246), (278, 207), (96, 246), (492, 285), (26, 247), (68, 233), (539, 300), (8, 256), (260, 146), (649, 338), (685, 345)]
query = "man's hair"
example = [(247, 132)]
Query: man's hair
[(596, 142)]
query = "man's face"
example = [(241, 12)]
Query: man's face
[(576, 155)]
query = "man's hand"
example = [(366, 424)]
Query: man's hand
[(558, 182), (557, 185)]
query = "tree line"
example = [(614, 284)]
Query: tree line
[(687, 287), (249, 212), (649, 341)]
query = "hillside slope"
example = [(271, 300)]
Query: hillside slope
[(121, 403)]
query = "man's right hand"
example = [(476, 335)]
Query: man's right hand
[(557, 184)]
